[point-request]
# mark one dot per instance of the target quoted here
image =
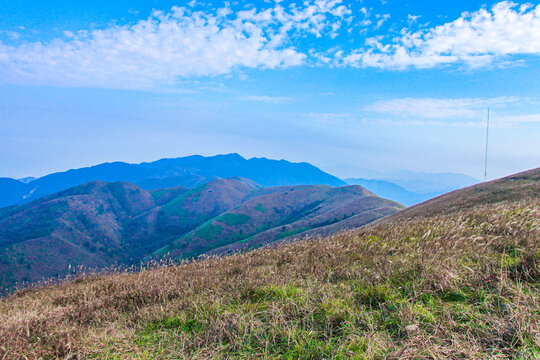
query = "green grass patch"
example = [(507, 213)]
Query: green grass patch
[(176, 206), (261, 208), (209, 232), (372, 295), (172, 323), (233, 219), (270, 293), (453, 295), (246, 239)]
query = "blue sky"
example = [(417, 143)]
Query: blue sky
[(358, 88)]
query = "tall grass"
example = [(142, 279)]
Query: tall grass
[(459, 285)]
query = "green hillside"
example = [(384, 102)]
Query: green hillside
[(100, 225), (457, 283), (268, 215)]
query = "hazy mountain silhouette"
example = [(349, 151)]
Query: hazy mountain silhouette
[(189, 172), (388, 190)]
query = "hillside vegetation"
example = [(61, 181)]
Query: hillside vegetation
[(459, 282), (99, 224)]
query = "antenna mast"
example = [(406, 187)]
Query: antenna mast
[(487, 138)]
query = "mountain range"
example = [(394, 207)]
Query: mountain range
[(405, 187), (103, 224), (189, 172)]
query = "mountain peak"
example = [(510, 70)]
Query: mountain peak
[(233, 156), (190, 171)]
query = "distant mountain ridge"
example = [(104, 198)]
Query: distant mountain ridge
[(100, 224), (411, 188), (190, 172), (422, 182), (389, 190)]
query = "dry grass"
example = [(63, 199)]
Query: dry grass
[(459, 285)]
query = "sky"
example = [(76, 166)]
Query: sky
[(357, 88)]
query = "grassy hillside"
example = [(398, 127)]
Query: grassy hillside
[(458, 283), (514, 187), (98, 224), (79, 226), (180, 215), (268, 215)]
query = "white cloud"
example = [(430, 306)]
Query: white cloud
[(189, 42), (168, 46), (427, 108), (413, 19), (464, 112), (381, 20), (475, 39), (517, 119), (267, 99)]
